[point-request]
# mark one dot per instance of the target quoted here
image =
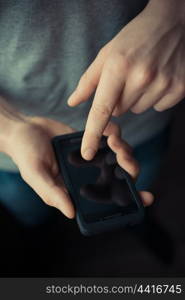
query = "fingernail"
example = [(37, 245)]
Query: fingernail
[(70, 100), (88, 153)]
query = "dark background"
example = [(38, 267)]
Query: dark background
[(156, 248)]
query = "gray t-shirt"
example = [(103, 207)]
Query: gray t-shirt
[(45, 46)]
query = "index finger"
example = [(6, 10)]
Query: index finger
[(107, 94)]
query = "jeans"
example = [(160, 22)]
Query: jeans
[(27, 207)]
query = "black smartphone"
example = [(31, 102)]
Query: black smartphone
[(103, 193)]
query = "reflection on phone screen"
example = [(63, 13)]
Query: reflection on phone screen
[(100, 184)]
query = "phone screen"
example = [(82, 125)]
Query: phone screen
[(100, 186)]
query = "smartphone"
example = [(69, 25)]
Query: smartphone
[(103, 193)]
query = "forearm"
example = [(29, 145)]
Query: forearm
[(10, 118)]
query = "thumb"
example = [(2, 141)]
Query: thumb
[(147, 198), (50, 188)]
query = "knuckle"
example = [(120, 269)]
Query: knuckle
[(117, 64), (105, 51), (101, 110), (142, 76)]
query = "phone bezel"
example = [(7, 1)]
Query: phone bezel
[(106, 224)]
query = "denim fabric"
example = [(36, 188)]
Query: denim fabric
[(22, 202), (150, 155)]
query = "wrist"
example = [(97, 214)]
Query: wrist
[(10, 119), (9, 127), (171, 10)]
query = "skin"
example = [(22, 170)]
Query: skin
[(142, 67), (28, 142), (144, 63)]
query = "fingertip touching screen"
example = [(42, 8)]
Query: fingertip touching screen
[(100, 185)]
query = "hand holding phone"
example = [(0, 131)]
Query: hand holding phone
[(103, 193)]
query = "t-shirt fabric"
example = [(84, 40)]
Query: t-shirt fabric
[(45, 46)]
